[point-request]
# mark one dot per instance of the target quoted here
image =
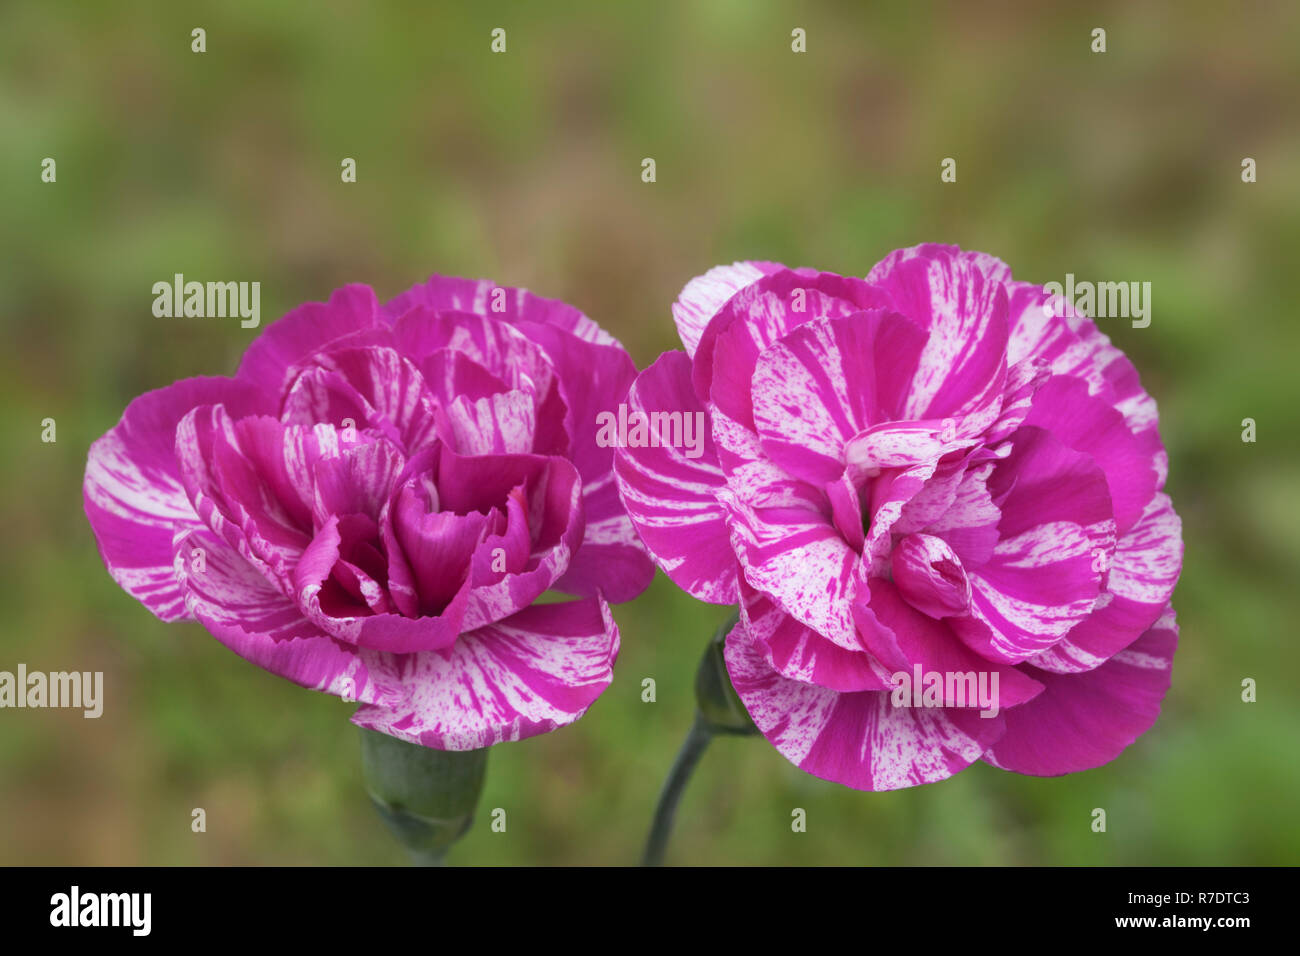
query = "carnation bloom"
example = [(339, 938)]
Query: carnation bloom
[(373, 504), (935, 471)]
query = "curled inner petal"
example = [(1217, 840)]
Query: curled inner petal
[(930, 575)]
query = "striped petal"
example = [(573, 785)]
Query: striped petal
[(357, 480), (384, 388), (1056, 531), (930, 575), (858, 739), (670, 496), (450, 374), (760, 315), (800, 653), (555, 520), (227, 468), (796, 556), (1141, 580), (133, 495), (704, 296), (596, 378), (532, 673), (827, 381), (969, 525), (903, 640), (494, 344), (504, 423), (1050, 329), (889, 496), (964, 308), (899, 445)]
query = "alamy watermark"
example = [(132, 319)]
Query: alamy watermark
[(634, 429), (75, 689), (74, 908), (951, 689), (1100, 300), (221, 300)]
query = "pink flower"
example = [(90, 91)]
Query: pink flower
[(371, 506), (921, 481)]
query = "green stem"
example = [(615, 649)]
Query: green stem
[(429, 857), (693, 747), (718, 711)]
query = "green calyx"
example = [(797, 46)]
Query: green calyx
[(426, 797), (720, 707)]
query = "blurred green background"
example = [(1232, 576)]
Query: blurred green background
[(525, 168)]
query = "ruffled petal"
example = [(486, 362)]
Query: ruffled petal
[(758, 316), (250, 615), (236, 498), (904, 640), (1141, 580), (383, 389), (305, 331), (702, 297), (1056, 533), (930, 575), (1081, 721), (800, 653), (1048, 328), (484, 297), (1089, 425)]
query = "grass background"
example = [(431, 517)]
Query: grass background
[(525, 167)]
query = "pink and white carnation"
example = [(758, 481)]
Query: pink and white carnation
[(374, 504), (937, 470)]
